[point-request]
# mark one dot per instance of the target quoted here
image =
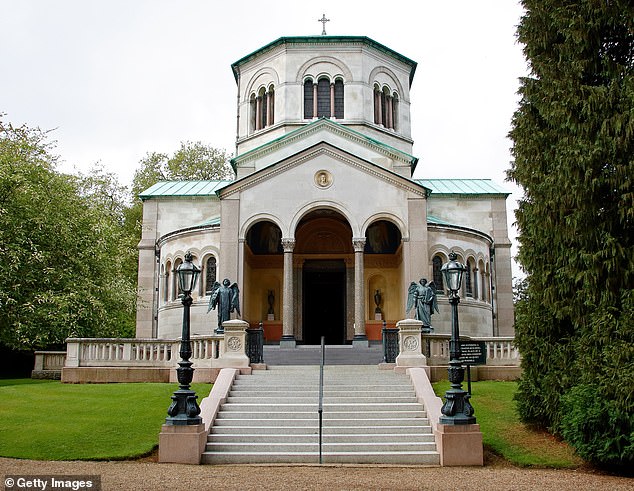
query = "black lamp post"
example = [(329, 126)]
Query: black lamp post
[(457, 410), (184, 409)]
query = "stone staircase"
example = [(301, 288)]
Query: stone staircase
[(370, 416)]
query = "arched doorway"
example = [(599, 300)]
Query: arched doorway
[(324, 257)]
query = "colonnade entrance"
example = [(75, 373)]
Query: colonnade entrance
[(322, 281)]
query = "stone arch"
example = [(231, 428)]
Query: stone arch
[(341, 69), (383, 76), (326, 205), (263, 78)]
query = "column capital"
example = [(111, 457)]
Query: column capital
[(288, 244), (358, 243)]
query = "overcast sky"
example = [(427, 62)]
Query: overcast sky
[(119, 78)]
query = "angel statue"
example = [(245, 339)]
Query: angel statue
[(422, 297), (227, 299)]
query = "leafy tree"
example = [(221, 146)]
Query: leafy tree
[(62, 246), (573, 151), (192, 161)]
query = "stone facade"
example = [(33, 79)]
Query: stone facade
[(324, 213)]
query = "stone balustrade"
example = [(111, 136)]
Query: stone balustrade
[(114, 352), (48, 364), (500, 351)]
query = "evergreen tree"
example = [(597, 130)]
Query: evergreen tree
[(573, 136)]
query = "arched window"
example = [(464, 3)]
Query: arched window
[(253, 113), (394, 110), (309, 96), (385, 107), (437, 274), (210, 274), (323, 98), (166, 281), (468, 280), (339, 98), (377, 105), (262, 108), (175, 286), (476, 289)]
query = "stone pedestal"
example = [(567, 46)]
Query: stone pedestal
[(234, 355), (182, 444), (409, 343), (459, 444)]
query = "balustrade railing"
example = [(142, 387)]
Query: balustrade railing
[(112, 352), (499, 350)]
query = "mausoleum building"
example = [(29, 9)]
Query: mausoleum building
[(324, 227)]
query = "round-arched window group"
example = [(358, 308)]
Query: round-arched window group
[(262, 106), (323, 98)]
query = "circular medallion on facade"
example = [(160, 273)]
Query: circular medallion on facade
[(233, 343), (323, 179), (410, 343)]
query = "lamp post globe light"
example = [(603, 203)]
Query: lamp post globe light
[(457, 409), (184, 409)]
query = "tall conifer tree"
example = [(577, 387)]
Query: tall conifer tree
[(573, 152)]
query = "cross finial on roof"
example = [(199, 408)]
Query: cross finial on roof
[(323, 20)]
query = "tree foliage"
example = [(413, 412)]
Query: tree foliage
[(573, 136), (192, 161), (62, 248)]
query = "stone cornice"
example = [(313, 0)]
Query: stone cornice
[(331, 151)]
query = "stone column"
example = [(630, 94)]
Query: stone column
[(258, 113), (268, 109), (360, 339), (332, 100), (314, 100), (288, 338)]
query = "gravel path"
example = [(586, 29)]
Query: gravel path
[(151, 476)]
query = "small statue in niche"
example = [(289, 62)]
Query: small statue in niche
[(271, 299), (227, 299), (377, 301), (422, 298)]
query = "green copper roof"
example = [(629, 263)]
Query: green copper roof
[(437, 221), (462, 186), (325, 40), (437, 187), (183, 188)]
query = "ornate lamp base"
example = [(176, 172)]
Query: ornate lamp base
[(457, 409)]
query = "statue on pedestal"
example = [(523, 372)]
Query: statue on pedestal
[(422, 298), (227, 299)]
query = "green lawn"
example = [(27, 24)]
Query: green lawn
[(48, 420), (503, 433)]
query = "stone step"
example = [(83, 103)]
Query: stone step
[(413, 429), (313, 399), (313, 437), (313, 420), (292, 385), (326, 447), (364, 457), (328, 406), (370, 416), (350, 415)]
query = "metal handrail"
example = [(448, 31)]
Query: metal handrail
[(320, 409)]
